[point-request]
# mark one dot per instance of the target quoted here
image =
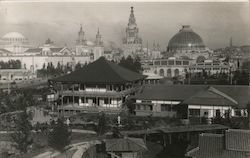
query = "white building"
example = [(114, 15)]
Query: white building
[(88, 48), (14, 42)]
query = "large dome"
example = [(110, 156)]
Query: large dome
[(13, 35), (186, 40)]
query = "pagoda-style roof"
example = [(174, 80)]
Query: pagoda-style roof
[(101, 72)]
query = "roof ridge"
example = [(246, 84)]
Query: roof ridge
[(110, 65), (216, 91)]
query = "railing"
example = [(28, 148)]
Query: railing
[(90, 108), (100, 93)]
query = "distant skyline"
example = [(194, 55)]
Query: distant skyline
[(157, 21)]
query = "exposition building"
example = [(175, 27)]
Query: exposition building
[(186, 52), (99, 86), (14, 42)]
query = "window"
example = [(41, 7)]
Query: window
[(178, 62), (185, 62), (165, 107), (194, 112), (157, 63), (106, 101), (171, 62), (164, 62)]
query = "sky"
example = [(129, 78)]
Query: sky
[(157, 21)]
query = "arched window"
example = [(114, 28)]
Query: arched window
[(161, 72), (169, 74), (176, 72)]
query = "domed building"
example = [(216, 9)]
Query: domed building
[(14, 42), (187, 44)]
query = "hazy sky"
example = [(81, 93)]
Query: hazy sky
[(214, 22)]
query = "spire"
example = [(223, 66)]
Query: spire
[(81, 38), (98, 40), (132, 17)]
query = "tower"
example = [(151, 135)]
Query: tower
[(81, 39), (81, 44), (132, 43), (98, 40), (98, 49)]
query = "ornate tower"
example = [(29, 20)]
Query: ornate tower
[(98, 40), (98, 49), (81, 44), (81, 39), (132, 43)]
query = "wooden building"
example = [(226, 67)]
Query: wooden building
[(99, 86), (188, 101)]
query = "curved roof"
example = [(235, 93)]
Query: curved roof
[(13, 35), (186, 39), (101, 72)]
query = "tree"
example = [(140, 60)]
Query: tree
[(116, 133), (60, 136), (131, 64), (101, 127), (22, 134), (78, 66)]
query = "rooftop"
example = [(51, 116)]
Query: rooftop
[(217, 145), (101, 71), (225, 94), (125, 144)]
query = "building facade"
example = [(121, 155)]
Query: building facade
[(132, 43), (192, 101), (15, 75), (169, 68)]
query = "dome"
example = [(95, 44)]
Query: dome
[(13, 35), (186, 39)]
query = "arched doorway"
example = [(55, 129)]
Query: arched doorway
[(161, 72), (169, 73), (176, 72)]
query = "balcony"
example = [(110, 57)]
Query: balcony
[(89, 108), (116, 94)]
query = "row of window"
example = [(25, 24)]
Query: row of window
[(171, 62)]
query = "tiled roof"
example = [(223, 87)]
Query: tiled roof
[(238, 93), (101, 72), (216, 145), (210, 96), (125, 144)]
